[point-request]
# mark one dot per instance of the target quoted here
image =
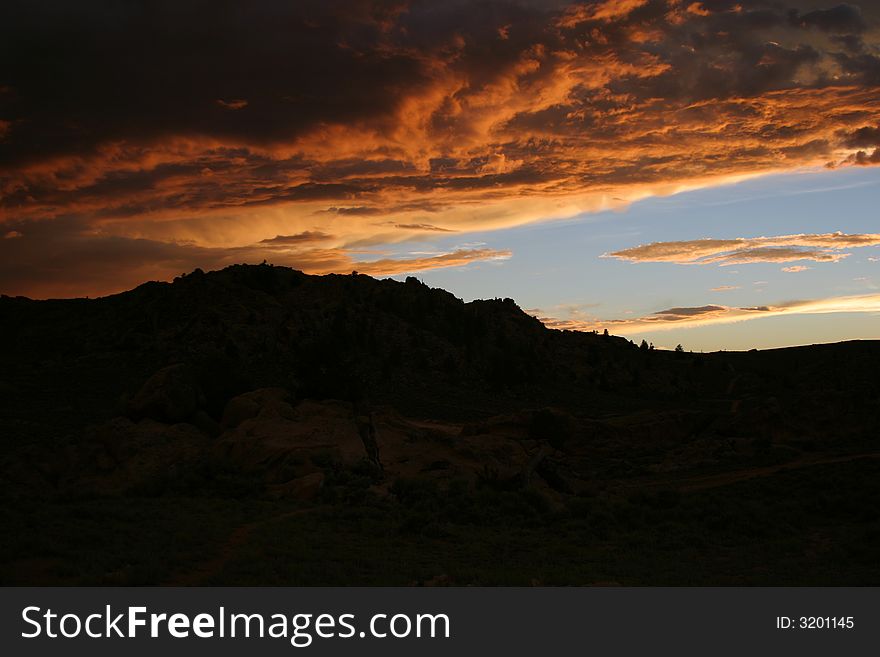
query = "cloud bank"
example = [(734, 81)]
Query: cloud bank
[(221, 124), (50, 264), (688, 317)]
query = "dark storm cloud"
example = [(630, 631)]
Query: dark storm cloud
[(423, 227), (305, 237), (358, 211), (867, 139), (866, 159), (842, 19), (862, 68), (87, 72), (682, 313), (863, 138), (852, 42)]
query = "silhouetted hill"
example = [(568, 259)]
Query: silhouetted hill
[(326, 336), (262, 389), (353, 337)]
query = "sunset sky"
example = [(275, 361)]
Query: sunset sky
[(704, 173)]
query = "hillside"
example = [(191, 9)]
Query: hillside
[(260, 425)]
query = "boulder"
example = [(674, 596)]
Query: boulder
[(444, 452), (206, 424), (303, 488), (282, 442), (171, 395), (251, 404), (121, 456)]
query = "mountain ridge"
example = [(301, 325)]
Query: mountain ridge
[(400, 407)]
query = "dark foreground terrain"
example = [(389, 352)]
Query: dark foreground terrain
[(260, 426)]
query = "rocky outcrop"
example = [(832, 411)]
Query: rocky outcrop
[(267, 401), (121, 456), (291, 450), (277, 442), (171, 395), (303, 488)]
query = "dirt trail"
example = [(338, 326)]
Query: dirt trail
[(201, 572), (701, 482)]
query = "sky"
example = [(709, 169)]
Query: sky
[(563, 271), (702, 173)]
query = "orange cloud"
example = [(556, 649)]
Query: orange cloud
[(108, 264), (785, 248), (698, 9), (397, 114), (389, 266), (688, 317), (606, 10)]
